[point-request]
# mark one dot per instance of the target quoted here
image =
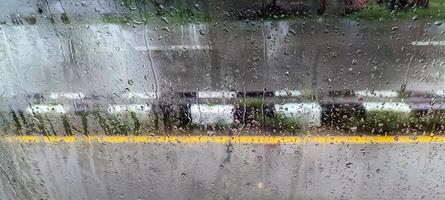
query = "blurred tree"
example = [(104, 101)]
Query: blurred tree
[(421, 3), (400, 4), (322, 8)]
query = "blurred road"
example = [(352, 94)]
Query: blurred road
[(90, 57), (107, 170), (318, 55)]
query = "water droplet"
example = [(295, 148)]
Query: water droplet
[(164, 20), (211, 133), (166, 29), (137, 22), (403, 87), (354, 61), (433, 101)]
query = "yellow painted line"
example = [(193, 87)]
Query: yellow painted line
[(229, 139)]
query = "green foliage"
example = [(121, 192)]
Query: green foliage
[(385, 121), (375, 12)]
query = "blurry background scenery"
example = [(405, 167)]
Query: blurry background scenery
[(103, 64), (222, 99)]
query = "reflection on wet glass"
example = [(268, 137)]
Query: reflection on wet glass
[(273, 99)]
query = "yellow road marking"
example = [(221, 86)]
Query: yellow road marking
[(230, 139)]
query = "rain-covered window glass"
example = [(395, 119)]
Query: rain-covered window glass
[(222, 99)]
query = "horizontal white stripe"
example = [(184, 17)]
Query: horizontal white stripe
[(137, 108), (216, 94), (66, 95), (140, 95), (440, 93), (305, 114), (45, 109), (171, 47), (287, 93), (203, 114), (387, 106), (377, 93), (428, 43)]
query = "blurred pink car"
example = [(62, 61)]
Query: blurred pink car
[(350, 5), (357, 4)]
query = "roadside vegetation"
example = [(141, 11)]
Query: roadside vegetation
[(137, 12), (386, 12)]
